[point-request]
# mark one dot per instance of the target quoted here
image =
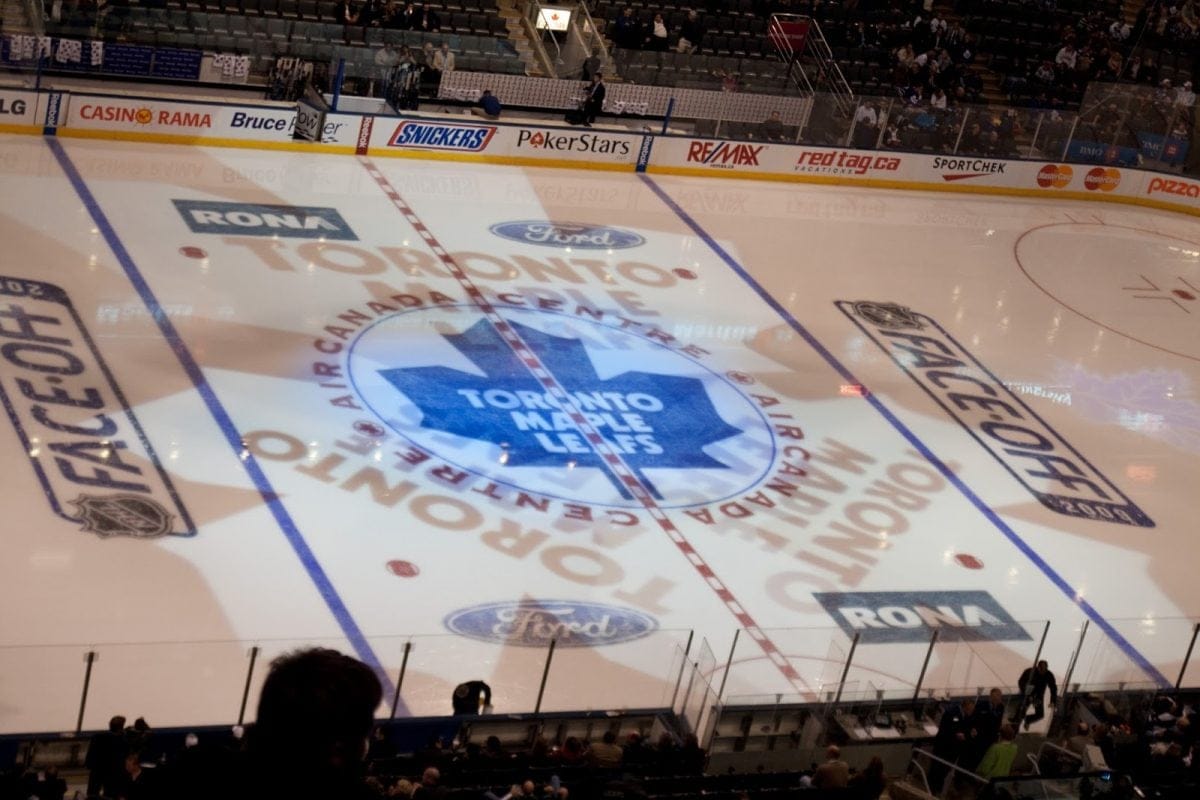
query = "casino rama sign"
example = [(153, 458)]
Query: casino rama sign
[(535, 623), (567, 234)]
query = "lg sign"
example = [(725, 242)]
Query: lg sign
[(1055, 176)]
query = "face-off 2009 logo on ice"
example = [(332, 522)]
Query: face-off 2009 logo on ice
[(1040, 459), (536, 623), (625, 415)]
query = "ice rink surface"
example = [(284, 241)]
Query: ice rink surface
[(269, 398)]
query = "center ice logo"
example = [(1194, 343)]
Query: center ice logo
[(618, 416), (649, 420)]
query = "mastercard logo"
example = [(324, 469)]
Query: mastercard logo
[(144, 116), (1056, 176), (1103, 179)]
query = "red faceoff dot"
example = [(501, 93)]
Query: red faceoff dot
[(685, 273), (403, 569), (369, 429), (192, 252), (969, 561), (1183, 294)]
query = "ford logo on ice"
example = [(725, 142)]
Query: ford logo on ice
[(533, 623), (568, 234)]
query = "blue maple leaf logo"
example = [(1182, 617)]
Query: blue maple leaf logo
[(652, 421)]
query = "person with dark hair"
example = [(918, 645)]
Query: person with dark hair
[(870, 783), (474, 696), (606, 753), (1033, 683), (105, 759), (953, 739), (315, 714), (593, 103)]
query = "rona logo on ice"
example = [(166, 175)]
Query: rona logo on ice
[(567, 234), (534, 623), (87, 448), (247, 219), (900, 617), (1044, 463), (587, 413)]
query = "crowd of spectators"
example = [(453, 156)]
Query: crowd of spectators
[(314, 739)]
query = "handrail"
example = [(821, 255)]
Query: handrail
[(533, 10), (816, 44), (982, 781), (592, 37)]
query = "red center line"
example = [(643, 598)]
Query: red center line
[(611, 459)]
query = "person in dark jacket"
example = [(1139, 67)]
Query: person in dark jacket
[(1033, 683), (954, 738), (105, 759), (467, 696), (309, 740), (593, 104)]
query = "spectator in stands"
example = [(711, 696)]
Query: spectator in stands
[(390, 17), (657, 34), (1033, 683), (691, 33), (834, 773), (998, 760), (386, 59), (989, 714), (627, 31), (430, 20), (1066, 58), (540, 754), (573, 753), (870, 783), (472, 697), (140, 783), (1184, 96), (380, 747), (591, 65), (953, 739), (1079, 741), (309, 739), (692, 757), (105, 759), (771, 128), (637, 754), (430, 786), (411, 18), (607, 754), (347, 13), (937, 101), (593, 104)]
